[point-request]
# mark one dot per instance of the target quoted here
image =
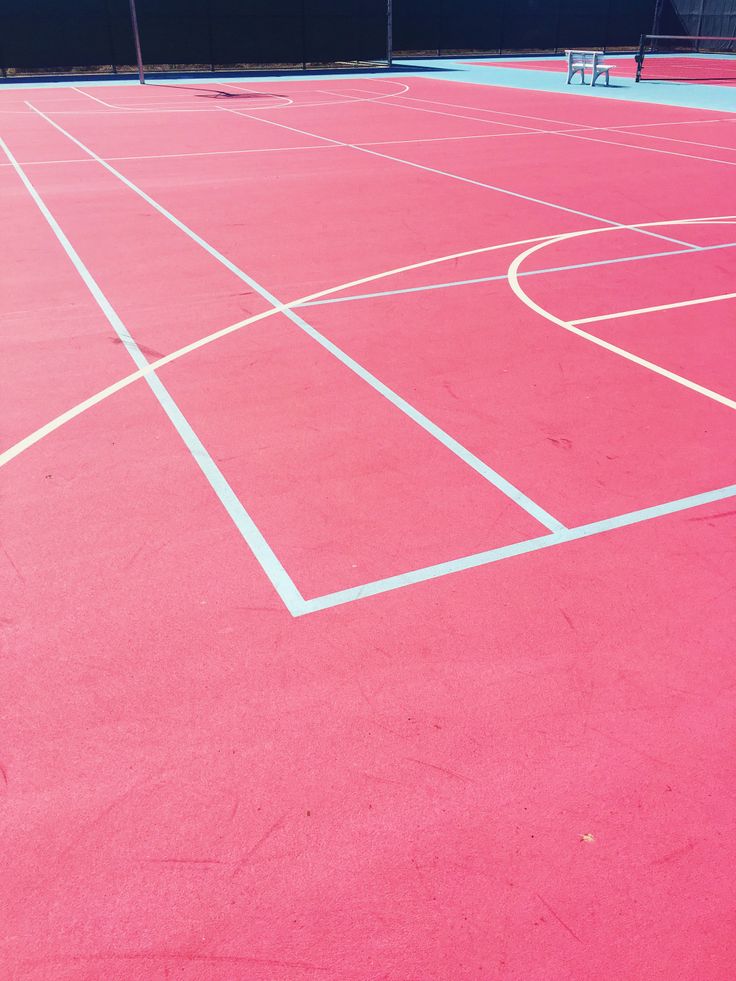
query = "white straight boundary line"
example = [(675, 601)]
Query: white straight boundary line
[(174, 156), (662, 306), (444, 438), (258, 545), (669, 139), (569, 132), (458, 177), (479, 559), (572, 129)]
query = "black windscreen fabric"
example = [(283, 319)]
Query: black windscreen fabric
[(581, 24), (40, 34), (627, 20), (174, 32), (520, 25), (530, 25), (417, 25), (709, 18), (257, 32), (475, 25), (63, 34), (338, 31), (719, 20)]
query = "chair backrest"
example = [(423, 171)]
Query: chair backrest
[(590, 59)]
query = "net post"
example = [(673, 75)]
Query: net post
[(389, 31), (137, 39), (640, 57)]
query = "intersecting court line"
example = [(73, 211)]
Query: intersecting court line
[(504, 276), (571, 129), (455, 447), (508, 551), (560, 534), (263, 552), (571, 133), (458, 177), (93, 400), (568, 325), (563, 122)]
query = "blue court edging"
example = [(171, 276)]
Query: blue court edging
[(685, 95)]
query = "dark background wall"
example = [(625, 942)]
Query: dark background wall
[(714, 18), (40, 35), (61, 34), (517, 26)]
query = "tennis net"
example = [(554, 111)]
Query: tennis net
[(679, 58)]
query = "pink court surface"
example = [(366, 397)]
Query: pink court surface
[(367, 533)]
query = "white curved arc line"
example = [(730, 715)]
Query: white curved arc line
[(403, 87), (151, 110), (17, 448), (245, 88), (513, 279), (27, 442)]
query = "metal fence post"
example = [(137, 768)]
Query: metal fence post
[(137, 39)]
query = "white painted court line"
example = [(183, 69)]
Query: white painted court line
[(571, 130), (562, 122), (258, 545), (169, 156), (164, 107), (667, 139), (46, 430), (50, 427), (571, 133), (682, 122), (444, 438), (458, 177), (479, 559), (649, 149), (662, 306), (89, 95), (269, 149), (455, 115), (503, 276), (513, 276)]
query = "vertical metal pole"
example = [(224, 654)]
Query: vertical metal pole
[(209, 37), (657, 17), (699, 29), (389, 31), (304, 35), (137, 39), (640, 57), (607, 26)]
